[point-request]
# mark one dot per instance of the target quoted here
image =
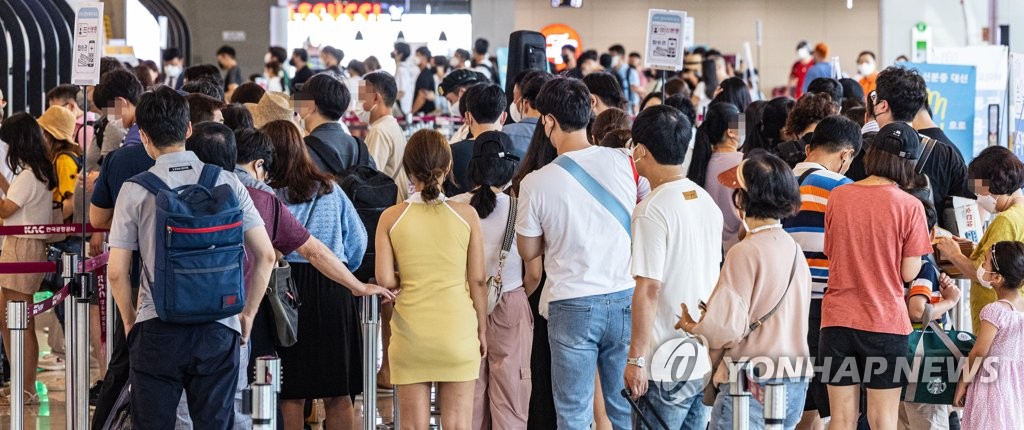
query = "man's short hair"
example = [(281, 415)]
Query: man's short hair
[(617, 50), (254, 145), (905, 91), (666, 133), (278, 54), (226, 50), (424, 51), (204, 71), (338, 54), (384, 84), (568, 100), (868, 53), (117, 83), (330, 96), (685, 105), (486, 102), (828, 86), (213, 143), (529, 87), (570, 48), (301, 53), (403, 50), (204, 86), (480, 46), (836, 133), (588, 55), (163, 115), (171, 54), (63, 92), (201, 107)]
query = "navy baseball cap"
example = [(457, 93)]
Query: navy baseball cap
[(899, 139)]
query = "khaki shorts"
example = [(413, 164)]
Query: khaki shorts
[(22, 250)]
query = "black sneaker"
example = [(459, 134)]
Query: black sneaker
[(94, 393)]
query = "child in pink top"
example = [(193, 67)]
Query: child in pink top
[(993, 397)]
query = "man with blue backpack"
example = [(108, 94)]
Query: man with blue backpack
[(191, 223)]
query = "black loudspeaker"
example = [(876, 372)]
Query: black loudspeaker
[(526, 51)]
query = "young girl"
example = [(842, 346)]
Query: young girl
[(995, 401), (29, 199), (439, 328)]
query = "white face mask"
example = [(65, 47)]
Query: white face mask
[(454, 62), (514, 111), (866, 69), (803, 53), (981, 278), (454, 109), (302, 122), (362, 113), (173, 71), (988, 203)]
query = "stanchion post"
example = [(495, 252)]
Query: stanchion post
[(77, 344), (17, 322), (371, 320), (740, 395), (268, 373), (264, 407), (775, 406)]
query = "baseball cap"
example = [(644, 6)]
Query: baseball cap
[(493, 144), (459, 78), (899, 139)]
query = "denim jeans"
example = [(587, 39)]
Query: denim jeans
[(589, 334), (680, 404), (796, 394)]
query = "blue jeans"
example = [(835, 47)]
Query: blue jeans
[(680, 411), (796, 394), (587, 335)]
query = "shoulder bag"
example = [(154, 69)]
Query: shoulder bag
[(710, 389), (494, 282), (283, 298)]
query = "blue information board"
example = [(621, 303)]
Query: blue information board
[(951, 96)]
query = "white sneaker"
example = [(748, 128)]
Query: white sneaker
[(52, 362)]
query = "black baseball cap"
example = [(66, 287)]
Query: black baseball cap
[(899, 139), (493, 144), (459, 78)]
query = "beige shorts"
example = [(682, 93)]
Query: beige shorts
[(22, 250)]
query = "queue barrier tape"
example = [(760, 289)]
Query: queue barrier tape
[(90, 265), (8, 230)]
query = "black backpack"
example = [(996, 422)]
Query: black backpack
[(371, 192)]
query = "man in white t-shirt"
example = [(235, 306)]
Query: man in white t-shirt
[(583, 233), (677, 234), (406, 72)]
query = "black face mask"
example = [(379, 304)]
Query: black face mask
[(565, 59), (292, 63)]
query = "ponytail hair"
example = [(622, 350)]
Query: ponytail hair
[(427, 159), (717, 121), (486, 172)]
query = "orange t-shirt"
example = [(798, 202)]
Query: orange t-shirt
[(868, 83), (869, 230)]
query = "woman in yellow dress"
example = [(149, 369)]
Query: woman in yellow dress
[(432, 249)]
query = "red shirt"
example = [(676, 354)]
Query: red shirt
[(869, 230), (799, 71)]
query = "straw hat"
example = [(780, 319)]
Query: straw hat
[(272, 107), (59, 122)]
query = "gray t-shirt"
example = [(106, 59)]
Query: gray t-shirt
[(133, 227)]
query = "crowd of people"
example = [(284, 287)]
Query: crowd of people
[(533, 261)]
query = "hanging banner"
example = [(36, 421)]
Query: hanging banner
[(1017, 104), (951, 94), (665, 33), (88, 44), (992, 76)]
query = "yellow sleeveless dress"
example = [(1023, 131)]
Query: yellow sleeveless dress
[(434, 327)]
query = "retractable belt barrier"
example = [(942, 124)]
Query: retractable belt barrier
[(78, 276), (743, 387)]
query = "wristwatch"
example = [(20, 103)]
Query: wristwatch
[(638, 362)]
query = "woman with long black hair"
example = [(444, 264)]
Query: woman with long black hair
[(29, 199), (502, 394), (715, 150)]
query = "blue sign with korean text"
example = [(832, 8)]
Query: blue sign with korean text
[(951, 91)]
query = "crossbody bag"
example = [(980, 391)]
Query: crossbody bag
[(494, 284), (594, 188), (710, 389)]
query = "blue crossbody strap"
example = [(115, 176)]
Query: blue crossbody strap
[(605, 198)]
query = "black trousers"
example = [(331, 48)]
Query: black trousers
[(201, 359), (117, 373)]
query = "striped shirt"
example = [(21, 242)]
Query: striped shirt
[(808, 226)]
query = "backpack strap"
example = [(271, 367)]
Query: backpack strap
[(208, 178), (806, 174), (150, 182)]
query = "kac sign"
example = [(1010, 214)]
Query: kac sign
[(557, 36)]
